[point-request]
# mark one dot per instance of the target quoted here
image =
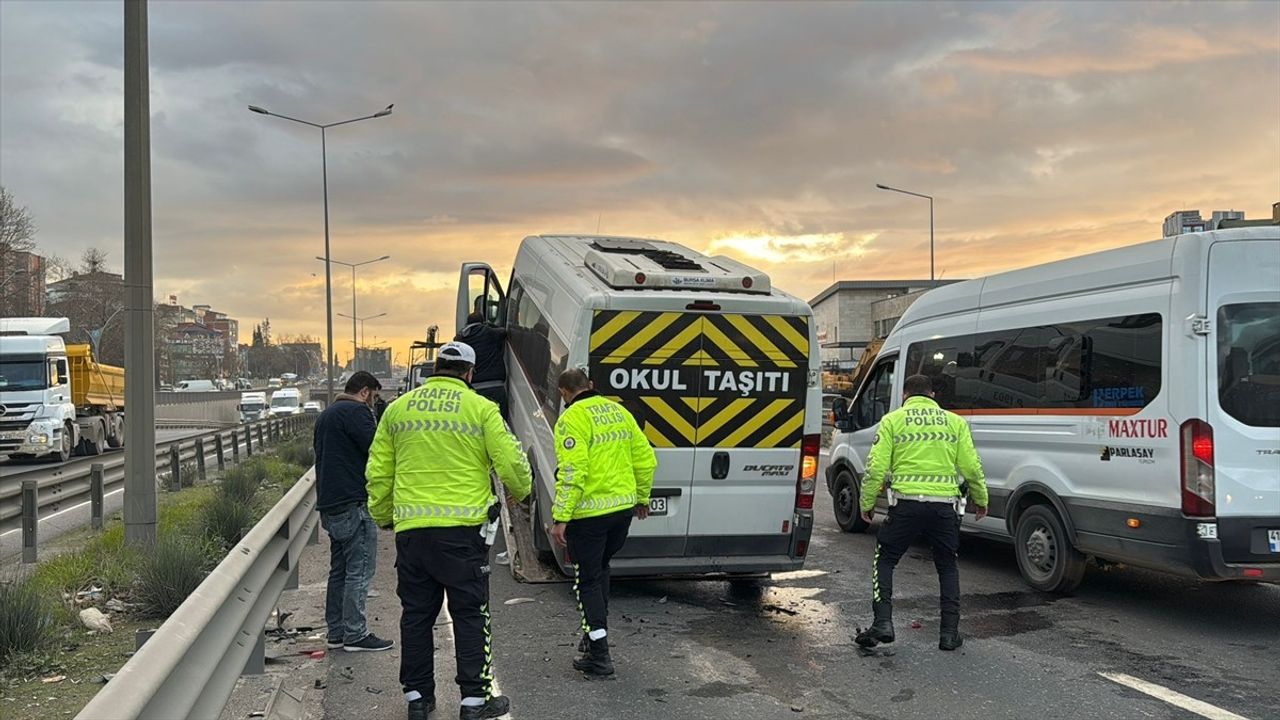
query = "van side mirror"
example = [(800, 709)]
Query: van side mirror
[(844, 422)]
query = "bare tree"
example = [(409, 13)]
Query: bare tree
[(92, 302), (17, 229), (17, 235)]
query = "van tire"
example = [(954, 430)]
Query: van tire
[(541, 543), (1046, 558), (844, 499)]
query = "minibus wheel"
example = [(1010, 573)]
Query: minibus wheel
[(844, 496), (1046, 557)]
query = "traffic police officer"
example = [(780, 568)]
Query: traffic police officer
[(922, 446), (605, 474), (428, 472)]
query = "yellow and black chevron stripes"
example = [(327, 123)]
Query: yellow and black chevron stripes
[(695, 380), (745, 341)]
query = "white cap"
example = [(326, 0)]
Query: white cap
[(458, 351)]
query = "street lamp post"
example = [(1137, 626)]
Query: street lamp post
[(324, 171), (353, 267), (930, 199), (353, 319)]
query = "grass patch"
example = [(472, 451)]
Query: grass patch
[(226, 520), (26, 622), (298, 452), (241, 483), (169, 573)]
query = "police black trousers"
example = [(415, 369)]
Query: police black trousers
[(432, 564), (592, 544), (940, 525)]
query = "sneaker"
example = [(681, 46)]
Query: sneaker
[(422, 707), (370, 643), (495, 707), (333, 644)]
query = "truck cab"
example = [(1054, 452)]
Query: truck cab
[(253, 406), (37, 414)]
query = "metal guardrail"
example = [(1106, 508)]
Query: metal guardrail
[(188, 668), (51, 489)]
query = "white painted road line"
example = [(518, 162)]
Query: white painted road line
[(1177, 699)]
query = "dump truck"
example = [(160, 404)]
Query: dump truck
[(56, 400)]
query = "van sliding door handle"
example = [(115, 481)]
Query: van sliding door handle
[(720, 465)]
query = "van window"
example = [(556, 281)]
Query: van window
[(541, 353), (877, 394), (1105, 363), (1249, 362)]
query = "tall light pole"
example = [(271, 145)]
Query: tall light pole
[(353, 319), (328, 275), (353, 267), (139, 321), (930, 199)]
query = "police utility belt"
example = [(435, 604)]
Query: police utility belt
[(957, 502)]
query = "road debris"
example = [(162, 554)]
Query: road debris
[(519, 601), (95, 620), (53, 679)]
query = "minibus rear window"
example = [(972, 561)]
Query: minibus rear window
[(1249, 362)]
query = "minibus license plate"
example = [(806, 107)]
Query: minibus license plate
[(658, 506), (1273, 540)]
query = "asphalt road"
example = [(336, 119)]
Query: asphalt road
[(781, 647)]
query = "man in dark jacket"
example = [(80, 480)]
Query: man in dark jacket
[(490, 343), (343, 434)]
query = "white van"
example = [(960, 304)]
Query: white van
[(714, 364), (1126, 405), (195, 386), (286, 401)]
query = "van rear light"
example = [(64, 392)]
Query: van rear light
[(1197, 469), (1252, 572), (746, 283), (640, 278), (807, 484), (802, 548)]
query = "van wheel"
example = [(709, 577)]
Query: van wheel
[(844, 495), (541, 543), (1046, 558)]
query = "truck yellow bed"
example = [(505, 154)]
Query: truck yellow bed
[(92, 383)]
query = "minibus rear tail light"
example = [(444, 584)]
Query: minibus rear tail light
[(807, 483), (1197, 469)]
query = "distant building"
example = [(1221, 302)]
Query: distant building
[(195, 352), (1189, 221), (846, 322), (375, 360), (82, 284), (22, 280)]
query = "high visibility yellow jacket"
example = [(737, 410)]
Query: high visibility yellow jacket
[(922, 445), (605, 463), (430, 459)]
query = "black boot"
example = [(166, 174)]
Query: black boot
[(494, 707), (881, 630), (422, 707), (597, 661), (949, 637), (584, 643)]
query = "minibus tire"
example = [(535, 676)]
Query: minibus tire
[(844, 499), (541, 543), (1047, 560)]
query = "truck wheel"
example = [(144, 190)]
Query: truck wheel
[(116, 438), (67, 446), (1046, 558), (90, 443), (844, 495)]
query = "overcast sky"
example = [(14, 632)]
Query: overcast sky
[(756, 130)]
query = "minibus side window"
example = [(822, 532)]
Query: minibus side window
[(877, 395)]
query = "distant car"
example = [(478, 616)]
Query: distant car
[(243, 384), (312, 408), (275, 383)]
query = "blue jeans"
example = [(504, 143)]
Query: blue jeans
[(353, 552)]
